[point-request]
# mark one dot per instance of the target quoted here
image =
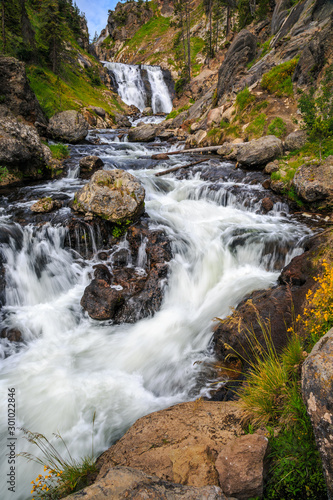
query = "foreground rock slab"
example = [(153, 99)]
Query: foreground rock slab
[(179, 444), (253, 154), (125, 483), (68, 126), (240, 465), (317, 391), (313, 182), (114, 195)]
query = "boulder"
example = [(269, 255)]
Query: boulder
[(178, 444), (295, 140), (281, 11), (121, 483), (98, 111), (89, 164), (68, 126), (214, 116), (148, 111), (114, 195), (12, 334), (122, 120), (259, 151), (21, 150), (16, 91), (240, 53), (45, 205), (240, 465), (253, 154), (272, 166), (142, 133), (313, 182), (267, 204), (100, 301), (317, 392)]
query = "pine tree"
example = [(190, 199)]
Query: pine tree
[(53, 32)]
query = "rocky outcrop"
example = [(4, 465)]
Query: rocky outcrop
[(21, 152), (253, 154), (241, 466), (88, 165), (179, 444), (121, 293), (16, 93), (124, 483), (295, 140), (68, 126), (313, 182), (240, 53), (317, 391), (281, 11), (114, 195)]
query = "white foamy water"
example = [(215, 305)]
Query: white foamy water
[(131, 87), (73, 366)]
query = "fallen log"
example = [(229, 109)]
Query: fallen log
[(164, 172), (162, 156)]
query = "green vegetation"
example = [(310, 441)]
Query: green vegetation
[(317, 111), (176, 112), (120, 228), (59, 151), (244, 99), (277, 127), (3, 173), (62, 476), (278, 80), (155, 27), (257, 126)]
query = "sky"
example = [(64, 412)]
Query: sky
[(96, 12)]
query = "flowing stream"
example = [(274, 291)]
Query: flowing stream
[(71, 366)]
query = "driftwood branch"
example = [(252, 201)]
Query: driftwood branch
[(163, 156), (164, 172)]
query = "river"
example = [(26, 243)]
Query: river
[(71, 366)]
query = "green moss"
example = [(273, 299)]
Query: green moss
[(278, 80), (176, 112), (277, 127)]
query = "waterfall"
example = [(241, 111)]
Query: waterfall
[(141, 85)]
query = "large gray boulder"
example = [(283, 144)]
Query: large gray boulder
[(313, 182), (317, 391), (114, 195), (121, 483), (253, 154), (142, 133), (295, 140), (68, 126), (240, 53)]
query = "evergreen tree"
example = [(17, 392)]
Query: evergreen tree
[(53, 32)]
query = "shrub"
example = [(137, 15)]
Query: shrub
[(278, 80), (59, 151), (277, 127), (244, 98)]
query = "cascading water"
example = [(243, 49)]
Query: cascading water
[(132, 89), (70, 365)]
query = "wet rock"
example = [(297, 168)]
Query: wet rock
[(267, 204), (313, 182), (88, 165), (45, 205), (16, 91), (179, 444), (100, 301), (115, 195), (68, 126), (120, 483), (240, 53), (278, 187), (317, 391), (12, 334), (266, 184), (240, 465), (295, 140), (101, 272), (148, 111), (142, 133)]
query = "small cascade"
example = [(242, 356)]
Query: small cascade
[(141, 85)]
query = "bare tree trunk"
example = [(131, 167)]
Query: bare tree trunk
[(210, 29), (183, 36), (217, 34), (228, 20), (3, 27)]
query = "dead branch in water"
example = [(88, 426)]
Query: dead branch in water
[(164, 172)]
